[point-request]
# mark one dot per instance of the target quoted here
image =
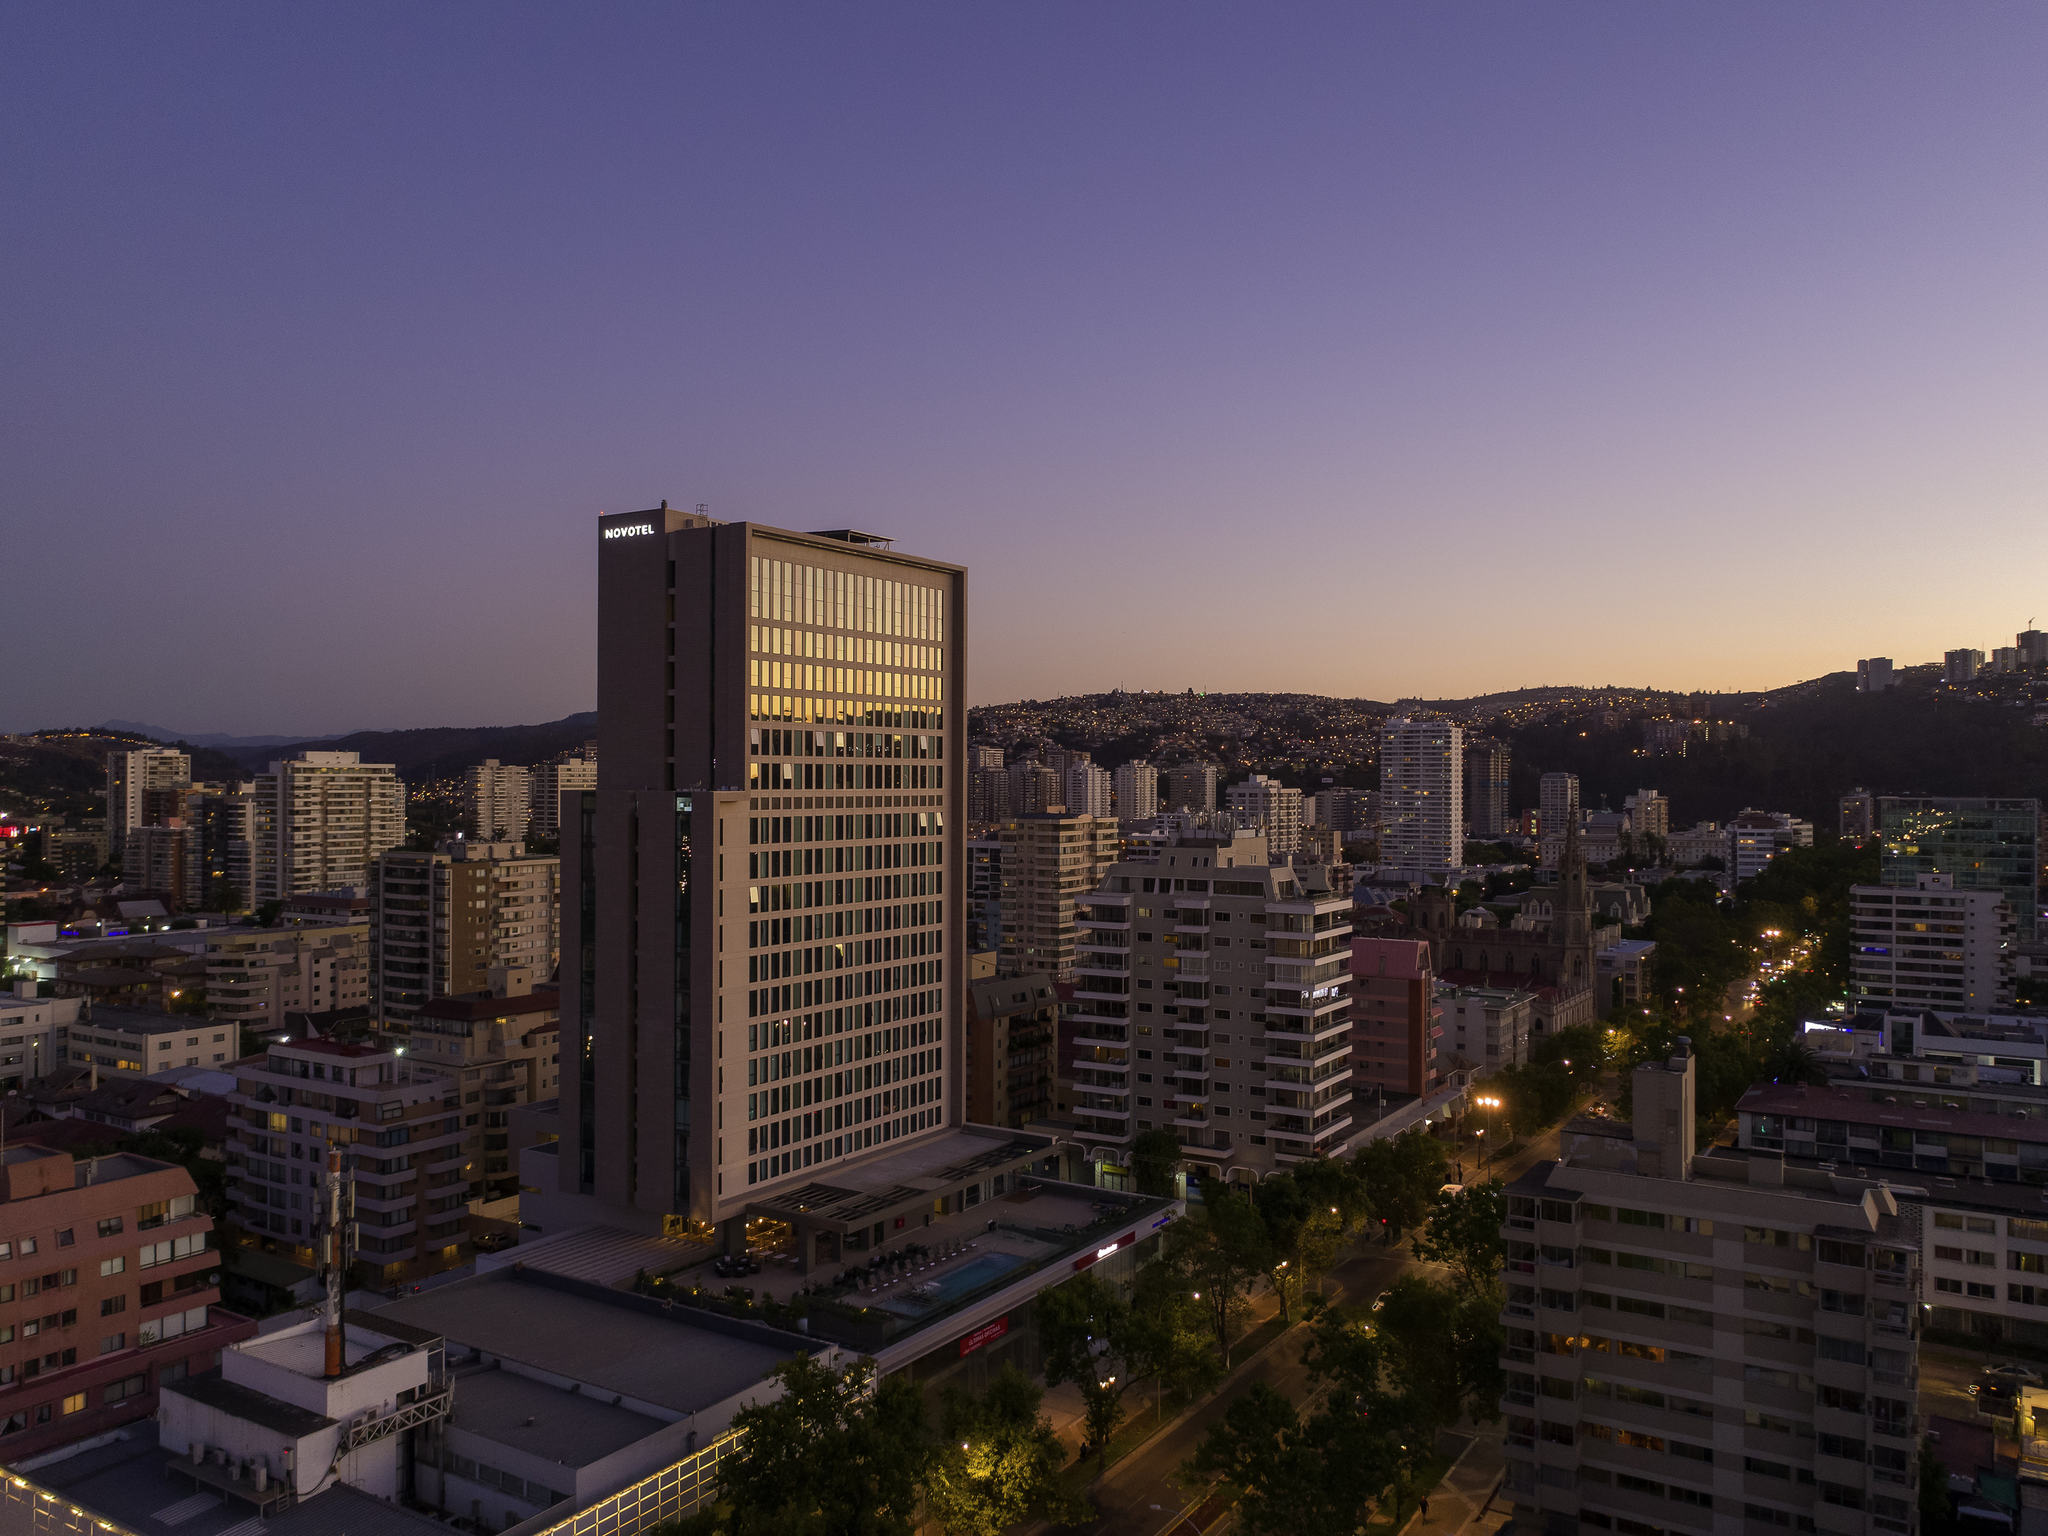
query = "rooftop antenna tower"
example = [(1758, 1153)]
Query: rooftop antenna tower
[(334, 1263)]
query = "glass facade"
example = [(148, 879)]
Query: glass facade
[(1982, 844)]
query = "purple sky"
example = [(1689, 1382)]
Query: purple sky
[(1359, 349)]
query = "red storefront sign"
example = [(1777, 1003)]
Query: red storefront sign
[(987, 1333)]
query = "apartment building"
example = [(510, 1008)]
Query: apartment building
[(320, 821), (135, 1042), (1874, 674), (1930, 946), (1557, 809), (1961, 666), (109, 1289), (401, 1128), (1213, 999), (1090, 790), (1702, 1344), (1010, 1049), (1486, 789), (33, 1031), (440, 922), (1649, 815), (1397, 1023), (1035, 789), (984, 895), (1422, 794), (499, 1048), (498, 799), (1486, 1028), (1137, 790), (257, 977), (1757, 837), (571, 773), (1981, 844), (1265, 805), (1050, 864), (988, 795), (1191, 787), (143, 786)]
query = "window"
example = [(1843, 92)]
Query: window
[(75, 1403), (113, 1343), (111, 1306), (114, 1266), (110, 1226), (65, 1238), (129, 1386)]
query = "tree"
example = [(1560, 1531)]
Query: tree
[(1464, 1234), (1401, 1175), (1155, 1162), (1442, 1352), (1090, 1339), (837, 1454), (1937, 1509), (1220, 1251), (1170, 1333), (1317, 1474), (998, 1462)]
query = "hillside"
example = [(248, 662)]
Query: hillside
[(66, 770), (437, 752)]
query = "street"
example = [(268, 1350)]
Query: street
[(1141, 1495)]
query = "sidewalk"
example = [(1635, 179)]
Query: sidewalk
[(1463, 1504)]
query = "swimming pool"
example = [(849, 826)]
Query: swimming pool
[(949, 1287)]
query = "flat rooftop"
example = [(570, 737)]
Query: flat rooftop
[(571, 1428), (886, 1184), (303, 1351), (678, 1360), (133, 1483)]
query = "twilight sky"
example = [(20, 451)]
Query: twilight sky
[(1377, 349)]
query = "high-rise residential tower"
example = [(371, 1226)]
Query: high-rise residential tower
[(320, 821), (1557, 801), (142, 790), (441, 922), (763, 924), (1422, 792), (1048, 864), (500, 801), (1137, 790), (567, 774), (1264, 804), (1486, 788), (1089, 790)]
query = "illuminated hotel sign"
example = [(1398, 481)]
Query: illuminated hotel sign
[(987, 1333), (1105, 1250), (628, 530)]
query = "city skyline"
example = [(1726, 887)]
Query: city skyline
[(333, 335)]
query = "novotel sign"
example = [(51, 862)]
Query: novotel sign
[(628, 530)]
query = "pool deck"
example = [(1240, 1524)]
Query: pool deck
[(1010, 1224)]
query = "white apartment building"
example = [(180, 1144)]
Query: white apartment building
[(1649, 814), (1486, 1028), (550, 781), (132, 1042), (141, 784), (321, 820), (499, 800), (1422, 794), (1757, 837), (1699, 1344), (258, 976), (1213, 999), (1137, 790), (1557, 807), (1265, 805), (440, 922), (1090, 791), (1931, 946), (32, 1033)]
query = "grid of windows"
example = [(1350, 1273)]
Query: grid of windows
[(845, 931)]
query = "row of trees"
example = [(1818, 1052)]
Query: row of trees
[(1385, 1383)]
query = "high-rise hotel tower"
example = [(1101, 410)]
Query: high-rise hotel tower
[(762, 916)]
